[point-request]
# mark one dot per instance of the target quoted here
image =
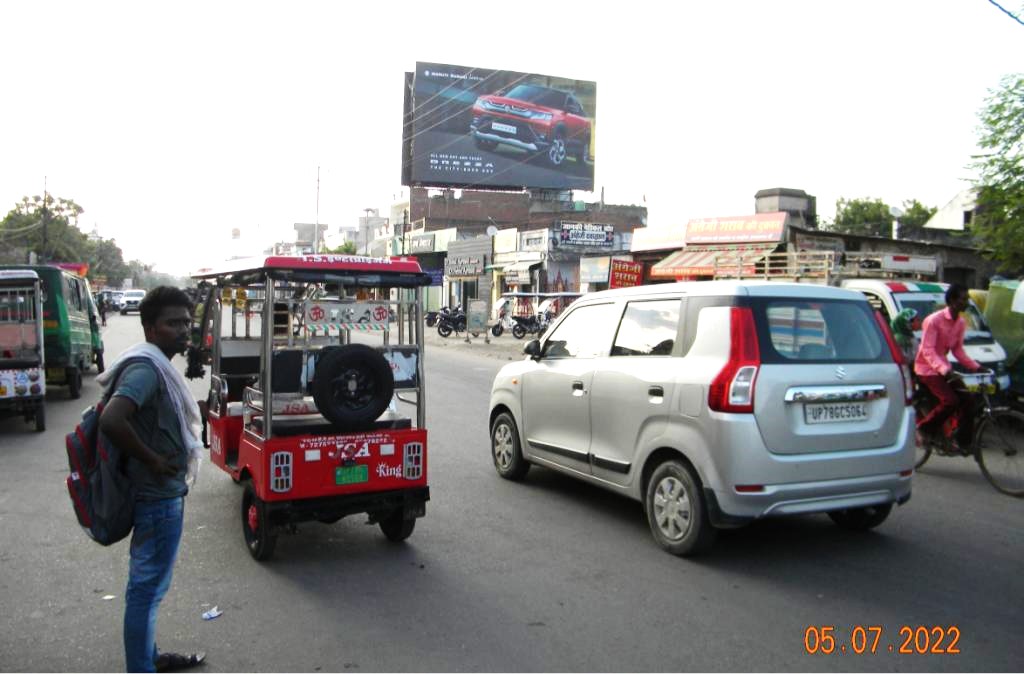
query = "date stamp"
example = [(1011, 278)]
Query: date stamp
[(873, 639)]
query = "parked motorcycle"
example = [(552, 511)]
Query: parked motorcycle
[(531, 325), (449, 321), (431, 318)]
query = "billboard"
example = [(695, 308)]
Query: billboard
[(763, 227), (586, 234), (474, 127)]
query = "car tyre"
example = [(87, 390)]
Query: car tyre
[(861, 519), (676, 510), (396, 528), (557, 152), (255, 526), (506, 451), (353, 385)]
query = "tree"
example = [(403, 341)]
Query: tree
[(998, 222), (347, 248), (915, 216), (866, 217)]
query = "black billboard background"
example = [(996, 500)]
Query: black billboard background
[(441, 111)]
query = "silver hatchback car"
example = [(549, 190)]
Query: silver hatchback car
[(714, 404)]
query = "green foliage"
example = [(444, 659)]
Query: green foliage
[(870, 217), (999, 219), (347, 248), (866, 217)]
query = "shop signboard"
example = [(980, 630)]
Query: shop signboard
[(463, 265), (760, 228), (594, 269), (586, 234), (663, 238), (506, 240), (476, 316), (468, 127), (422, 243), (534, 240), (625, 274)]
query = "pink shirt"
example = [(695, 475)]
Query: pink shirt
[(941, 335)]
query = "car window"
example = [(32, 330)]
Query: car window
[(927, 304), (585, 333), (574, 106), (823, 330), (647, 329)]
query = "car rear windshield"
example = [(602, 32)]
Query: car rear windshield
[(822, 331)]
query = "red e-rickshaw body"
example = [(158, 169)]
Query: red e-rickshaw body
[(316, 348)]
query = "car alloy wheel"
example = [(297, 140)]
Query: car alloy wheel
[(503, 446), (556, 153)]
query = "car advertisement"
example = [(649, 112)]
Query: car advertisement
[(474, 127)]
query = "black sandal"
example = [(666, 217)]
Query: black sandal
[(176, 662)]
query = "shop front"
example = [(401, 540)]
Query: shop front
[(465, 271), (731, 246), (651, 245)]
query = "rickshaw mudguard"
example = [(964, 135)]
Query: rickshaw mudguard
[(335, 466)]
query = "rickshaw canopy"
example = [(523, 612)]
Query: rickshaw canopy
[(395, 272)]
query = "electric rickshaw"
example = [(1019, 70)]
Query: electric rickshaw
[(22, 362), (317, 396)]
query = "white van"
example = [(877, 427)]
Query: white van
[(891, 297)]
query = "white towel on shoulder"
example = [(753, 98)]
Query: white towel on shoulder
[(181, 397)]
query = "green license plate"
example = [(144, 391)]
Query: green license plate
[(351, 474), (55, 373)]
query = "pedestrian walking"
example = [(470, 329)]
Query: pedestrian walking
[(152, 418), (101, 306)]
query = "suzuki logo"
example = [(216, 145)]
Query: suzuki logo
[(840, 372)]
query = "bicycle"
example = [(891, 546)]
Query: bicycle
[(998, 436)]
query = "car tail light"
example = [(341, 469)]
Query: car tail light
[(897, 357), (733, 389), (280, 472)]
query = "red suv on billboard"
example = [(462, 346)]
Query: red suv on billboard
[(533, 118)]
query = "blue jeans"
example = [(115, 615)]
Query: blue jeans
[(155, 541)]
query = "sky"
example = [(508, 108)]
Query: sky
[(173, 123)]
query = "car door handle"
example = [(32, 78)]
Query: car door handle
[(577, 388), (656, 392)]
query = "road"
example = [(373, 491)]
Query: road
[(544, 575)]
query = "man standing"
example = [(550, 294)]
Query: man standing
[(943, 331), (151, 417)]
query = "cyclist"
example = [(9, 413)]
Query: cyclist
[(943, 331)]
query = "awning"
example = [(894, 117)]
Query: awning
[(695, 261), (518, 273)]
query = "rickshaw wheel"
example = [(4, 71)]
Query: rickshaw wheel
[(352, 386), (255, 526), (396, 527), (40, 416)]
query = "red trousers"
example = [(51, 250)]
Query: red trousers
[(950, 403)]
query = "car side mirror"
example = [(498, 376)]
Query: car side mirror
[(532, 349)]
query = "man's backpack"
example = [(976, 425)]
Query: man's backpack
[(102, 494)]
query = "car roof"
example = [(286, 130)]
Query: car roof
[(718, 288), (889, 285)]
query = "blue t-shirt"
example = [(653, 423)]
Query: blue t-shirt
[(157, 425)]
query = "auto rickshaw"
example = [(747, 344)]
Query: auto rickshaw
[(316, 400), (22, 364)]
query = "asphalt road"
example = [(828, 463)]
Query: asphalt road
[(544, 575)]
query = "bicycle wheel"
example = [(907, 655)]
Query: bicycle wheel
[(999, 450), (923, 450)]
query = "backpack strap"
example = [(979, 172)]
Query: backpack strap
[(112, 386)]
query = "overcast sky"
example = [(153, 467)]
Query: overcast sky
[(172, 123)]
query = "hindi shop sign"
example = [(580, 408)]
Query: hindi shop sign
[(464, 265), (625, 274), (586, 234), (763, 227)]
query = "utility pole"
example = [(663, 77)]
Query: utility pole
[(42, 251), (366, 234)]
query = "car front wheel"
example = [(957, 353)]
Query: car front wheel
[(506, 450), (557, 152), (676, 511)]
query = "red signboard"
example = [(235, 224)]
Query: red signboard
[(625, 274), (766, 227)]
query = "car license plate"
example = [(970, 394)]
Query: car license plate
[(351, 474), (833, 413), (55, 373), (504, 128)]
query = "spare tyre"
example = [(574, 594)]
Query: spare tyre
[(352, 386)]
